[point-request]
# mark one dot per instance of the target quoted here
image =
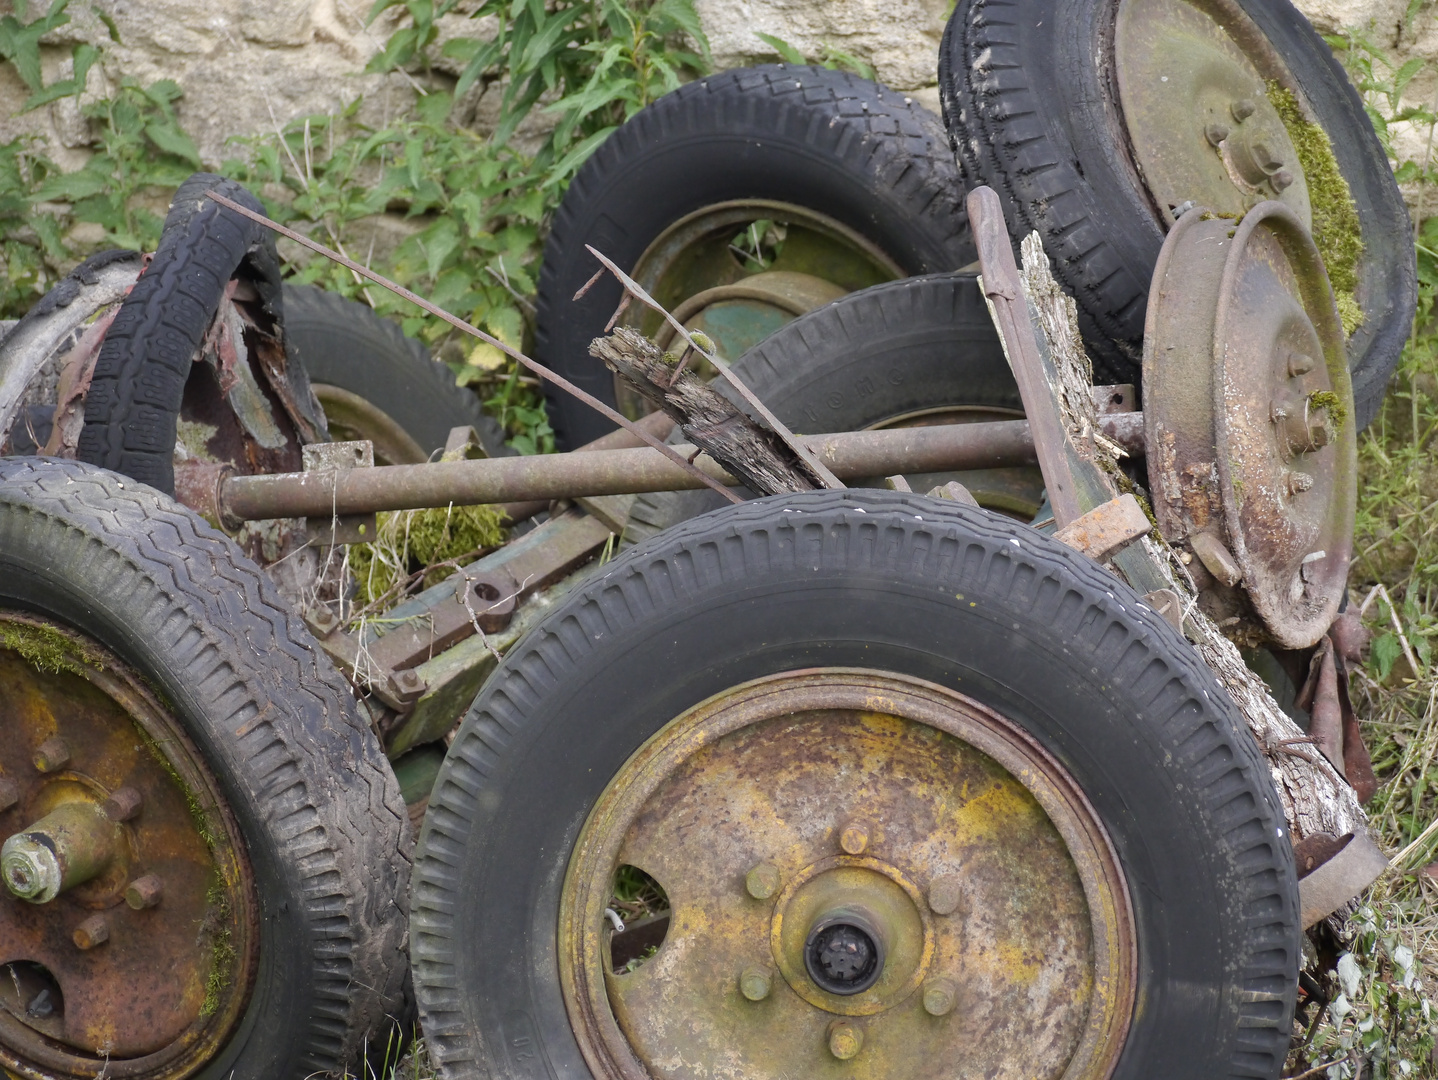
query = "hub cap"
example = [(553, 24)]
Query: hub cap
[(859, 866), (133, 955)]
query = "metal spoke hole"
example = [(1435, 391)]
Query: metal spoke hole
[(641, 906)]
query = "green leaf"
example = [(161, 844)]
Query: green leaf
[(172, 140), (109, 21), (1385, 652), (786, 51)]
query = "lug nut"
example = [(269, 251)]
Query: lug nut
[(1299, 364), (1299, 482), (144, 892), (321, 620), (940, 996), (1281, 179), (1266, 159), (854, 837), (9, 794), (762, 882), (945, 892), (754, 984), (93, 931), (1242, 109), (52, 755), (845, 1039), (123, 804), (1216, 133)]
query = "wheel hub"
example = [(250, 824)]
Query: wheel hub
[(867, 839), (1248, 412), (128, 923), (1193, 78)]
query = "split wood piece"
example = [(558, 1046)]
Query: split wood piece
[(1315, 798), (1106, 529), (757, 456), (820, 472), (474, 331)]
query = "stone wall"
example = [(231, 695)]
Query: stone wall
[(246, 66)]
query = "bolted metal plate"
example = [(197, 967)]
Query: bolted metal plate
[(924, 824), (1192, 80), (143, 969), (1248, 414)]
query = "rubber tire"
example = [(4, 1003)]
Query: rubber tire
[(133, 404), (345, 344), (866, 579), (867, 156), (878, 353), (1031, 114), (325, 827)]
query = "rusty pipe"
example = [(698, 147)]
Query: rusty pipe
[(850, 455)]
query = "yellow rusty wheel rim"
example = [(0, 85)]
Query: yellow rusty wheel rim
[(957, 839), (160, 996)]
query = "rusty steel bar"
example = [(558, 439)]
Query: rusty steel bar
[(851, 455)]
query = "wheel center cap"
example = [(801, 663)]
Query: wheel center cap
[(844, 954)]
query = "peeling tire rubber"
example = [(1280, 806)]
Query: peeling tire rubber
[(347, 345), (326, 830), (886, 582), (866, 156), (883, 352), (1031, 110), (133, 404)]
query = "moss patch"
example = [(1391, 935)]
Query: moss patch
[(222, 949), (1336, 228), (46, 648), (1327, 399), (419, 538)]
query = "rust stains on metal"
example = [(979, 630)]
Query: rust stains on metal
[(1031, 971), (90, 984), (1106, 529)]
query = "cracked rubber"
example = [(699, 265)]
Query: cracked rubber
[(345, 344), (323, 821), (879, 353), (1032, 112), (133, 404), (891, 582), (831, 142)]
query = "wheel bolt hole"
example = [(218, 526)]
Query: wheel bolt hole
[(639, 904)]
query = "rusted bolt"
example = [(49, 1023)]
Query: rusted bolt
[(854, 837), (845, 1039), (1242, 109), (93, 931), (1266, 159), (754, 984), (1299, 364), (9, 794), (407, 686), (945, 892), (1299, 482), (144, 892), (940, 996), (1318, 434), (1216, 133), (52, 755), (1281, 180), (321, 620), (762, 882), (123, 804), (67, 847)]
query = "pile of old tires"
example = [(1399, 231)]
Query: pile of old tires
[(852, 782)]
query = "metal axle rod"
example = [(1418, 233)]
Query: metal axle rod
[(850, 455)]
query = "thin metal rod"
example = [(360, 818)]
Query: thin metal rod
[(852, 455), (459, 324), (823, 475)]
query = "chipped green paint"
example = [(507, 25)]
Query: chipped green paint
[(1336, 228)]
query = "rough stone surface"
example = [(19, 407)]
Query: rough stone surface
[(246, 67)]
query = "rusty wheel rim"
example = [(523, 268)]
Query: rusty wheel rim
[(696, 271), (145, 968), (1193, 82), (887, 807), (1249, 420)]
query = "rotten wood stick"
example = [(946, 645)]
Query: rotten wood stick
[(474, 331), (711, 422)]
